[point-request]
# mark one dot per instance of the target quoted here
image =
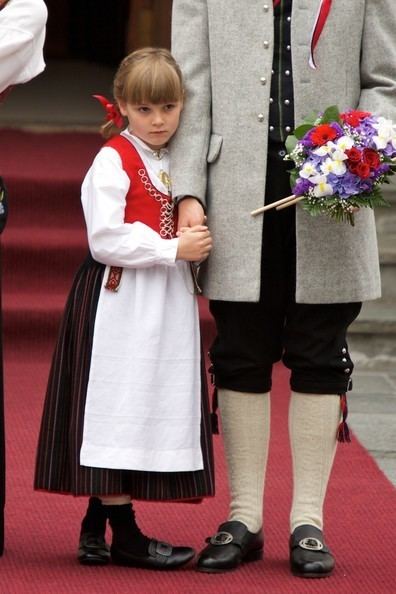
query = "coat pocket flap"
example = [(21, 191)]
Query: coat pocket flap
[(214, 147)]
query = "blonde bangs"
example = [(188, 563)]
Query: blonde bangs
[(153, 77)]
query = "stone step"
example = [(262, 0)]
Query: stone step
[(372, 337)]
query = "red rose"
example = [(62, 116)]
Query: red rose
[(354, 155), (322, 134), (353, 167), (354, 117), (363, 170), (371, 157)]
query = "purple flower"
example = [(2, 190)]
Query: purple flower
[(383, 169), (345, 185), (389, 150), (336, 126), (306, 140), (302, 186)]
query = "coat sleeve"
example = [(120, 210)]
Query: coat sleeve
[(112, 241), (22, 34), (378, 59), (189, 148)]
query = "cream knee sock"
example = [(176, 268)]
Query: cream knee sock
[(313, 424), (115, 499), (246, 427)]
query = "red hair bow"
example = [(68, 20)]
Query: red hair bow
[(112, 112)]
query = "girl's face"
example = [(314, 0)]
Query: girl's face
[(154, 123)]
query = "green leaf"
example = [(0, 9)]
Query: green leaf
[(331, 114), (301, 131), (290, 143), (294, 175)]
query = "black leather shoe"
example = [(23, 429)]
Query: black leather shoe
[(93, 550), (232, 545), (160, 555), (309, 556)]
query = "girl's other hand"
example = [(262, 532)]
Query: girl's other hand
[(195, 243), (190, 212)]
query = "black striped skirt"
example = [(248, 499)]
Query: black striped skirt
[(57, 465)]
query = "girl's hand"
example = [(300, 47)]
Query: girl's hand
[(195, 243)]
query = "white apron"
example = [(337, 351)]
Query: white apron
[(143, 407)]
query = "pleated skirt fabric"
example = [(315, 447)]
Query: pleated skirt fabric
[(57, 464)]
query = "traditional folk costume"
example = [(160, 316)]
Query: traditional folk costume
[(126, 410)]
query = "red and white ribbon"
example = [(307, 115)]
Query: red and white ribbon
[(321, 17)]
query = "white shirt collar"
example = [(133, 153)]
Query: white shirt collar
[(156, 154)]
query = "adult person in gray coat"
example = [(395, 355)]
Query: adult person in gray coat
[(252, 73)]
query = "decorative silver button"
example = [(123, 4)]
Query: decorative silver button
[(266, 44), (282, 153), (344, 359), (288, 129), (271, 128), (272, 71), (266, 8), (287, 102), (287, 72), (288, 47), (263, 80), (288, 19), (260, 117), (343, 351), (347, 370), (271, 100)]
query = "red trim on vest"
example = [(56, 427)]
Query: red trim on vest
[(140, 205)]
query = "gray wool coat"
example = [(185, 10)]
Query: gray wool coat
[(225, 50)]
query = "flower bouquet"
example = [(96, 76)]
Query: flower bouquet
[(341, 161)]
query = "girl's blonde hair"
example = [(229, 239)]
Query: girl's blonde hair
[(147, 75)]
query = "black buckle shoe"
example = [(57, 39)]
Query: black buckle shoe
[(93, 549), (309, 556), (232, 545), (160, 555)]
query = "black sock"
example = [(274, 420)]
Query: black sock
[(126, 533), (95, 518)]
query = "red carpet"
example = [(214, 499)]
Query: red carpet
[(41, 247)]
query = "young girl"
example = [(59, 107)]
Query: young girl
[(126, 413)]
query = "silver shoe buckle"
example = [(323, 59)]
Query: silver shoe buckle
[(221, 538), (311, 544)]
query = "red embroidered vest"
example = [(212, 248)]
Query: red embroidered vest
[(144, 202)]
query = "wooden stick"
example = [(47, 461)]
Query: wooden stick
[(290, 202), (273, 205)]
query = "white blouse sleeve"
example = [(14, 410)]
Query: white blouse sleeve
[(111, 241), (22, 34)]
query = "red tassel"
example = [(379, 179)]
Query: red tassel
[(343, 434)]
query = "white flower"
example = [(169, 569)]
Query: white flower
[(308, 170), (321, 188), (339, 155), (386, 133), (336, 166), (344, 143), (325, 149)]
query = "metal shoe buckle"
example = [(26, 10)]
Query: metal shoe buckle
[(221, 538), (311, 544)]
